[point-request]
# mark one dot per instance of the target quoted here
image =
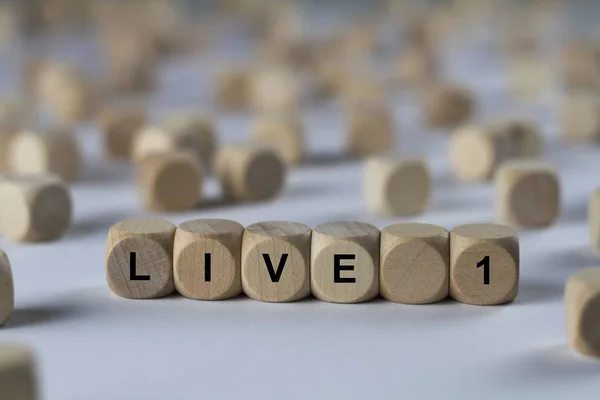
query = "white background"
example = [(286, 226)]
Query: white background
[(93, 345)]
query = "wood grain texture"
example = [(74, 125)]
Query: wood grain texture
[(469, 244), (220, 238), (170, 181), (527, 193), (284, 132), (119, 126), (371, 129), (250, 172), (414, 263), (394, 185), (35, 208), (355, 245), (7, 290), (594, 219), (56, 151), (286, 246), (582, 304), (199, 128), (152, 240), (447, 106), (18, 375)]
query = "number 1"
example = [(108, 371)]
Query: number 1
[(485, 263)]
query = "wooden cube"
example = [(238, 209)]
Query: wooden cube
[(35, 208), (232, 90), (447, 106), (345, 262), (476, 151), (56, 151), (199, 128), (396, 185), (285, 133), (276, 261), (582, 299), (580, 69), (275, 89), (360, 89), (139, 258), (207, 259), (371, 130), (119, 126), (250, 172), (523, 136), (13, 115), (153, 139), (529, 76), (414, 264), (7, 290), (484, 264), (170, 181), (66, 92), (580, 117), (18, 376), (527, 193), (594, 219), (416, 68)]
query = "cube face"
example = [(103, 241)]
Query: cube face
[(283, 134), (528, 194), (170, 181), (447, 106), (139, 259), (580, 118), (37, 208), (582, 304), (119, 129), (232, 90), (484, 264), (17, 372), (371, 130), (345, 262), (7, 293), (414, 263), (276, 261), (207, 259)]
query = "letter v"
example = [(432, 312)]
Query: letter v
[(275, 275)]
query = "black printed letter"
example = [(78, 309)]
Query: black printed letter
[(337, 268), (275, 275), (133, 276)]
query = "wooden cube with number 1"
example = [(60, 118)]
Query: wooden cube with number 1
[(484, 264)]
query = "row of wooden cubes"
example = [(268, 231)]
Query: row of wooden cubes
[(340, 262)]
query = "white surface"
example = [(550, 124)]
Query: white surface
[(93, 345)]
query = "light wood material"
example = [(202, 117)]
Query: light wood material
[(13, 115), (594, 219), (416, 68), (250, 172), (66, 92), (152, 242), (582, 303), (469, 245), (360, 88), (170, 181), (201, 130), (395, 185), (284, 132), (56, 151), (527, 193), (447, 106), (523, 135), (119, 126), (220, 277), (18, 376), (345, 262), (371, 129), (276, 261), (529, 76), (35, 208), (275, 89), (7, 290), (579, 67), (414, 263), (153, 139), (232, 90), (477, 151), (580, 117)]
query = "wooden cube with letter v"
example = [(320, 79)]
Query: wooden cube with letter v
[(484, 264)]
